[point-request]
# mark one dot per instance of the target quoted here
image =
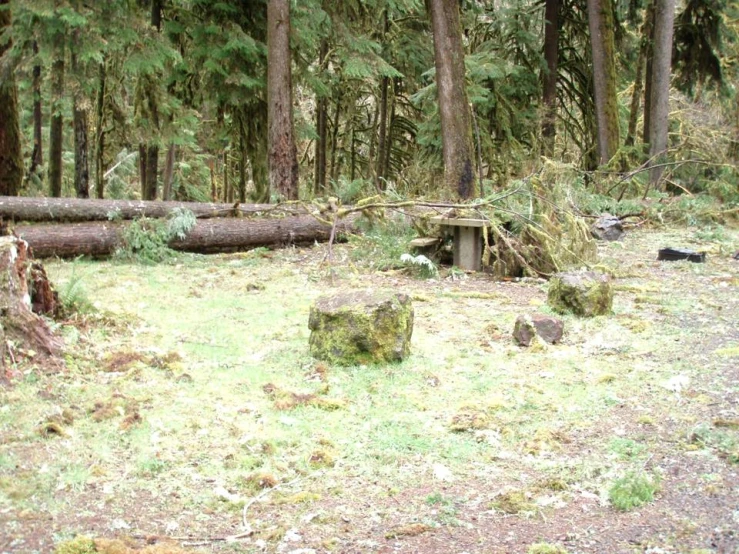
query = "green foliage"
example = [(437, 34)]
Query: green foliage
[(633, 490), (626, 449), (73, 295), (381, 244), (145, 241), (420, 264), (180, 222), (721, 438)]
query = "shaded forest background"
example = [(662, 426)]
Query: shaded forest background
[(168, 99)]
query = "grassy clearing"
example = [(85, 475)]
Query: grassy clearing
[(190, 392)]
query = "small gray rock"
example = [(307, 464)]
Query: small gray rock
[(548, 328), (607, 227)]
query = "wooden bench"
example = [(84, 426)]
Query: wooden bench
[(467, 249)]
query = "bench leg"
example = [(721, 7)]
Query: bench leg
[(468, 248)]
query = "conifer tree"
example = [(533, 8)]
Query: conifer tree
[(11, 163)]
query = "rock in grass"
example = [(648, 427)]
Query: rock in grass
[(548, 328), (583, 293), (607, 227), (361, 327)]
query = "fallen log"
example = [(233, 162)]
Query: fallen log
[(18, 208), (208, 236)]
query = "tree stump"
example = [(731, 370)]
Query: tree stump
[(22, 332), (361, 327), (584, 293)]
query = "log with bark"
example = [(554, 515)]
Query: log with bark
[(208, 235), (18, 208), (22, 332)]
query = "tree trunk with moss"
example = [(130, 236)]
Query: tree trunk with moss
[(456, 119), (283, 155), (551, 54), (664, 19), (601, 25), (56, 131), (11, 162)]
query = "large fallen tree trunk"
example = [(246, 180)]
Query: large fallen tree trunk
[(208, 235), (19, 208)]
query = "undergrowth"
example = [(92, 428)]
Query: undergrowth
[(382, 243), (632, 490), (147, 240)]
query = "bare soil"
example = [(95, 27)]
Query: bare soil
[(652, 389)]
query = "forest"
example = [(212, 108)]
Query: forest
[(186, 100), (369, 276)]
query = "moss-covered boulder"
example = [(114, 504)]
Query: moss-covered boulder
[(584, 293), (361, 327), (549, 329)]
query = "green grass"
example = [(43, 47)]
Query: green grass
[(632, 490), (218, 425)]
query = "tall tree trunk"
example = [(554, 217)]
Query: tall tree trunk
[(389, 139), (168, 172), (649, 37), (319, 182), (638, 85), (335, 136), (156, 14), (601, 24), (226, 184), (11, 162), (37, 157), (456, 120), (152, 172), (81, 164), (664, 20), (549, 96), (56, 131), (100, 135), (79, 117), (142, 169), (242, 160), (382, 135), (283, 154)]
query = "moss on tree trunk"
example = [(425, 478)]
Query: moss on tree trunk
[(456, 118)]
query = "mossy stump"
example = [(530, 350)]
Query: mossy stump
[(583, 293), (361, 327)]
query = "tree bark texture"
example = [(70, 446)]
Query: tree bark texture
[(664, 19), (319, 158), (152, 172), (100, 135), (208, 236), (456, 120), (382, 135), (37, 157), (11, 162), (649, 54), (18, 324), (81, 163), (74, 209), (283, 154), (56, 131), (549, 96), (601, 24), (168, 172), (638, 86)]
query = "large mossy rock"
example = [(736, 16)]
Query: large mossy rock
[(361, 327), (583, 293)]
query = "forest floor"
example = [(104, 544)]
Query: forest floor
[(160, 425)]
